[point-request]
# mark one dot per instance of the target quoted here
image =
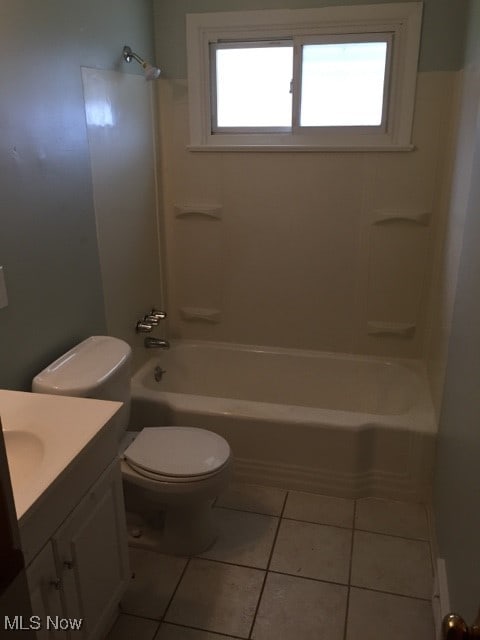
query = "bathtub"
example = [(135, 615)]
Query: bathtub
[(338, 424)]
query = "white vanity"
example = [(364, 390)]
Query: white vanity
[(63, 459)]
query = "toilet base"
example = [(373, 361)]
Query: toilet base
[(182, 531), (177, 517)]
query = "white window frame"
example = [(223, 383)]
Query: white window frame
[(399, 21)]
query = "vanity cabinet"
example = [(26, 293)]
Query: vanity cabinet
[(44, 586), (82, 571)]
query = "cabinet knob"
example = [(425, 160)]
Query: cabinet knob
[(68, 564), (56, 584)]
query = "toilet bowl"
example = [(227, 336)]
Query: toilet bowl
[(171, 474)]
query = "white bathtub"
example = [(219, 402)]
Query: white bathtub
[(333, 423)]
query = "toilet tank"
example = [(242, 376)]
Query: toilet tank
[(98, 367)]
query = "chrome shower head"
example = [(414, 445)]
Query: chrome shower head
[(151, 73)]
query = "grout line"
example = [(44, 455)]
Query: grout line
[(136, 615), (263, 569), (347, 608), (321, 524), (268, 565), (392, 593), (157, 631), (327, 524), (258, 513), (296, 575), (229, 563), (175, 590), (393, 535), (302, 577), (280, 518), (215, 633)]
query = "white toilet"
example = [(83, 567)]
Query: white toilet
[(172, 472)]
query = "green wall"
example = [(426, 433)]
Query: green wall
[(48, 244), (442, 33)]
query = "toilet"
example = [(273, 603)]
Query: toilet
[(171, 474)]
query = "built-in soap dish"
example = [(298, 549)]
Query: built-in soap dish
[(393, 329), (212, 212), (383, 216), (199, 314)]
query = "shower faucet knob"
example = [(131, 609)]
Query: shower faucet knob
[(154, 317), (160, 315), (143, 327), (150, 319)]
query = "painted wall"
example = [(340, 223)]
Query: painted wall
[(454, 195), (453, 205), (442, 33), (48, 242), (296, 259), (457, 484)]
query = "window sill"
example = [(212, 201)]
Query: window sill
[(300, 148)]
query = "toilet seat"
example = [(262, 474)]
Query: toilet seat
[(177, 454)]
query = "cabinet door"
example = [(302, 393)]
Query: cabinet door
[(45, 595), (91, 551)]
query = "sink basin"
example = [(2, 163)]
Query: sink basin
[(44, 435), (25, 452)]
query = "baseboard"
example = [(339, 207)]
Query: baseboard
[(440, 596)]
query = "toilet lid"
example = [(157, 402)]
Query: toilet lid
[(178, 451)]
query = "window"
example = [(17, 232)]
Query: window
[(251, 86), (343, 83), (331, 78)]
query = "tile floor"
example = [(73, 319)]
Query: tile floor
[(289, 566)]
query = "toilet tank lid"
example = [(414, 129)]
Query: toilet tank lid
[(82, 368)]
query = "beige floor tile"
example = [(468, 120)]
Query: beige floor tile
[(396, 518), (322, 509), (128, 627), (397, 565), (244, 538), (217, 597), (174, 632), (252, 497), (299, 609), (313, 551), (380, 615), (155, 578)]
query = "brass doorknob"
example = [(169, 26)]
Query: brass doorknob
[(454, 627)]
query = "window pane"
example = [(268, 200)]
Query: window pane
[(253, 86), (342, 84)]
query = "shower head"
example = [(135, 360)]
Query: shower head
[(151, 73)]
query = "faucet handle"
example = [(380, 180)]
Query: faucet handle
[(154, 317), (143, 326)]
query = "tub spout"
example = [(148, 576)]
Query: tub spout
[(156, 343)]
